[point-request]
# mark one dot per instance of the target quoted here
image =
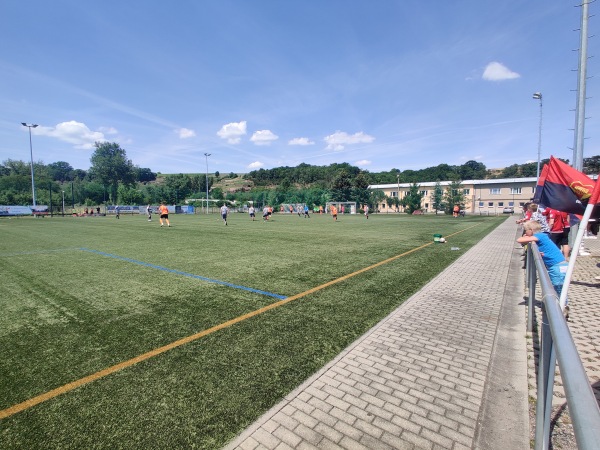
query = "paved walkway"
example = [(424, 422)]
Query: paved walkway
[(446, 370)]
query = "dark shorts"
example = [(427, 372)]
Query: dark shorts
[(164, 216), (560, 239), (251, 214), (224, 216)]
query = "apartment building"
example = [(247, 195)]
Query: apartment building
[(482, 197)]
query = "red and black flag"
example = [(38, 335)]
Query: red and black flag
[(563, 188)]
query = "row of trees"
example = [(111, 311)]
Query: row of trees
[(113, 178), (307, 175)]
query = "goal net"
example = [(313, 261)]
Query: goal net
[(342, 207), (292, 208)]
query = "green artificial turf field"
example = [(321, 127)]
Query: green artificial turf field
[(246, 312)]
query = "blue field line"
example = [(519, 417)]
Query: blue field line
[(185, 274)]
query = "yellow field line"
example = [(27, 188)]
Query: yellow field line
[(157, 351)]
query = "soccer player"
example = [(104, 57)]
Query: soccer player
[(251, 213), (224, 211), (164, 214), (149, 213), (334, 212), (367, 211)]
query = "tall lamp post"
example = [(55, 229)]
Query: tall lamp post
[(63, 205), (398, 194), (538, 96), (30, 126), (207, 155)]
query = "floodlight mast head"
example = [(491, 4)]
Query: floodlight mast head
[(537, 96)]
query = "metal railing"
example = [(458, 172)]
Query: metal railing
[(557, 344)]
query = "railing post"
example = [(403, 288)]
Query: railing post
[(531, 281)]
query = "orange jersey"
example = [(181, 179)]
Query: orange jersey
[(163, 209)]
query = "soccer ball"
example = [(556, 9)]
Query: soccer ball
[(442, 240)]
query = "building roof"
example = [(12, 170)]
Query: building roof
[(464, 182)]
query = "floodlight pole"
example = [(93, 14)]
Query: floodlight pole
[(398, 194), (538, 96), (577, 162), (63, 205), (207, 155), (30, 126)]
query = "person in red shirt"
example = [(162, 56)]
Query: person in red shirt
[(558, 221)]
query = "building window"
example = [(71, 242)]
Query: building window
[(394, 194), (467, 191), (515, 190), (511, 204), (500, 204), (490, 204), (481, 204), (494, 191), (423, 193)]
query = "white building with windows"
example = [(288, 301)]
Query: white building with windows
[(485, 197)]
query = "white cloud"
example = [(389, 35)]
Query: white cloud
[(108, 130), (339, 139), (263, 137), (496, 71), (301, 141), (73, 132), (255, 165), (362, 163), (185, 133), (233, 132)]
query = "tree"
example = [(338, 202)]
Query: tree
[(438, 198), (472, 170), (390, 202), (510, 171), (61, 171), (143, 174), (342, 187), (454, 196), (413, 198), (360, 191), (110, 166), (377, 196), (530, 169), (591, 166)]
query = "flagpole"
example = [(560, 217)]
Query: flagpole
[(578, 239)]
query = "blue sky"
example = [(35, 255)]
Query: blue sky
[(380, 84)]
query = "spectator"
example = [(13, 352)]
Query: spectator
[(553, 258), (558, 221)]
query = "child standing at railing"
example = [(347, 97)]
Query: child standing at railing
[(553, 258)]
